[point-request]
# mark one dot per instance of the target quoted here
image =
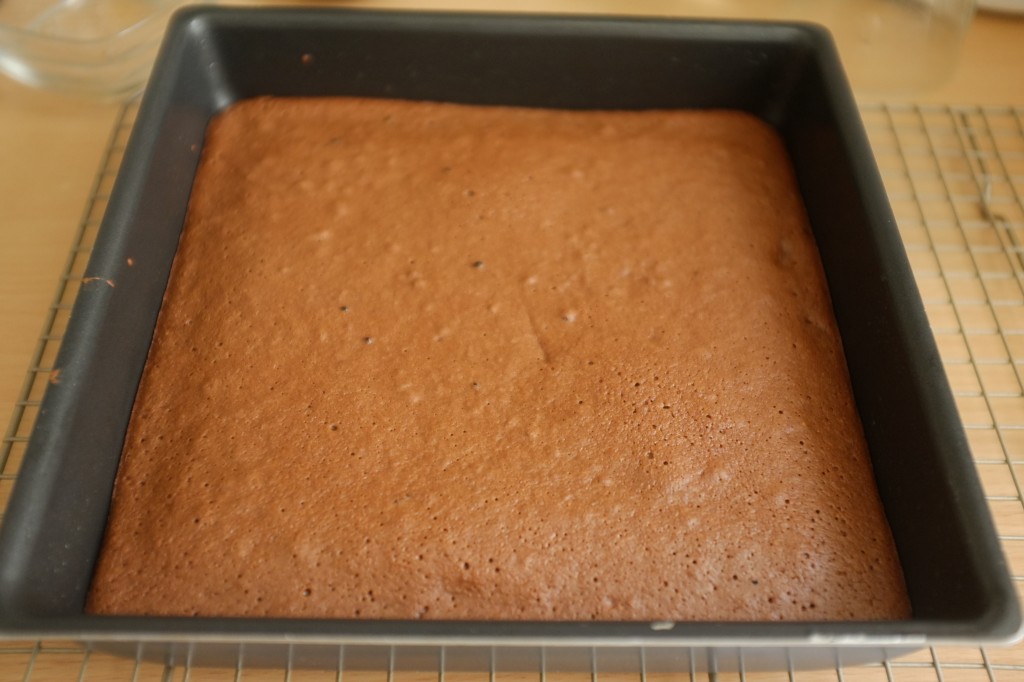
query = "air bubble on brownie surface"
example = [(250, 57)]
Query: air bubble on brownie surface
[(785, 254)]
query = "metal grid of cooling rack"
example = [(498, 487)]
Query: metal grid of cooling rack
[(955, 177)]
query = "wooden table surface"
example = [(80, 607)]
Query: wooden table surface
[(51, 146)]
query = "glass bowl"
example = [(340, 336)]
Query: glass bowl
[(93, 47)]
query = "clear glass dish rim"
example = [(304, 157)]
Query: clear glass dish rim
[(160, 8)]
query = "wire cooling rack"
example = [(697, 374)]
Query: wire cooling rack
[(955, 177)]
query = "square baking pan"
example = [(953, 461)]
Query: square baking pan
[(787, 74)]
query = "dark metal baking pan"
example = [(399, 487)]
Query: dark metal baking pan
[(788, 75)]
